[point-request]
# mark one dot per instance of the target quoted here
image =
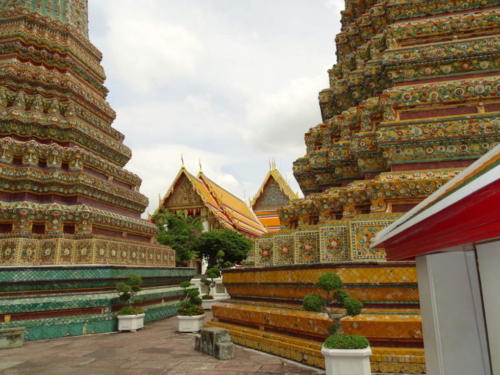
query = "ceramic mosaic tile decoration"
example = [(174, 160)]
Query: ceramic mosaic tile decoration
[(65, 197), (74, 300), (70, 214), (413, 98)]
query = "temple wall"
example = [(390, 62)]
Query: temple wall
[(71, 251), (344, 240), (451, 298), (55, 302)]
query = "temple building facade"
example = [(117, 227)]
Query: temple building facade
[(199, 196), (413, 99), (70, 214), (273, 194)]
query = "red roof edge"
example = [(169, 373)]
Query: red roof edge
[(476, 218)]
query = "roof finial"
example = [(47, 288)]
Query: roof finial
[(199, 164), (182, 160), (272, 164)]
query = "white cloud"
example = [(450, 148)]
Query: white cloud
[(233, 83), (281, 117), (337, 5), (194, 117), (143, 50)]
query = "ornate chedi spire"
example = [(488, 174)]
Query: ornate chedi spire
[(412, 99), (65, 197), (73, 13)]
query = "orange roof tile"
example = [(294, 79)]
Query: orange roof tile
[(205, 195), (238, 212), (228, 209), (270, 221)]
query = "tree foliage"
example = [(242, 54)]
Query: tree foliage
[(223, 248), (179, 232)]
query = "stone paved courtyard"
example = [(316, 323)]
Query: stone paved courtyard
[(155, 350)]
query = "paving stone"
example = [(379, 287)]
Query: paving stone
[(155, 350), (8, 364)]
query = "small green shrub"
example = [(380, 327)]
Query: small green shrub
[(313, 302), (130, 310), (190, 303), (193, 293), (196, 300), (332, 329), (340, 295), (352, 306), (126, 293), (206, 296), (212, 273), (346, 342), (332, 285), (329, 281), (185, 284), (191, 310)]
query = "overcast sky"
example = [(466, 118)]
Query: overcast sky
[(233, 83)]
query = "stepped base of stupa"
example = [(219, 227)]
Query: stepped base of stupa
[(265, 312), (59, 301)]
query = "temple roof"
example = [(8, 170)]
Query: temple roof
[(229, 210), (283, 185), (240, 214)]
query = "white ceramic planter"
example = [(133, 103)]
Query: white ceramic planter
[(347, 361), (130, 322), (190, 323)]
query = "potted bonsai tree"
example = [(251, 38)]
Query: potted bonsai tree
[(131, 315), (209, 281), (344, 354), (190, 314)]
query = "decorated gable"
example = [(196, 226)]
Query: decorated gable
[(183, 195), (271, 198)]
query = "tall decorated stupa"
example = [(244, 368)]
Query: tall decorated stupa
[(65, 197), (70, 214), (413, 98)]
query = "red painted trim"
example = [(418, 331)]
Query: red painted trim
[(432, 165), (447, 78), (473, 219), (426, 113)]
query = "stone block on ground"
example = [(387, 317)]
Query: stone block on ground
[(197, 342), (12, 337), (215, 341), (224, 350)]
